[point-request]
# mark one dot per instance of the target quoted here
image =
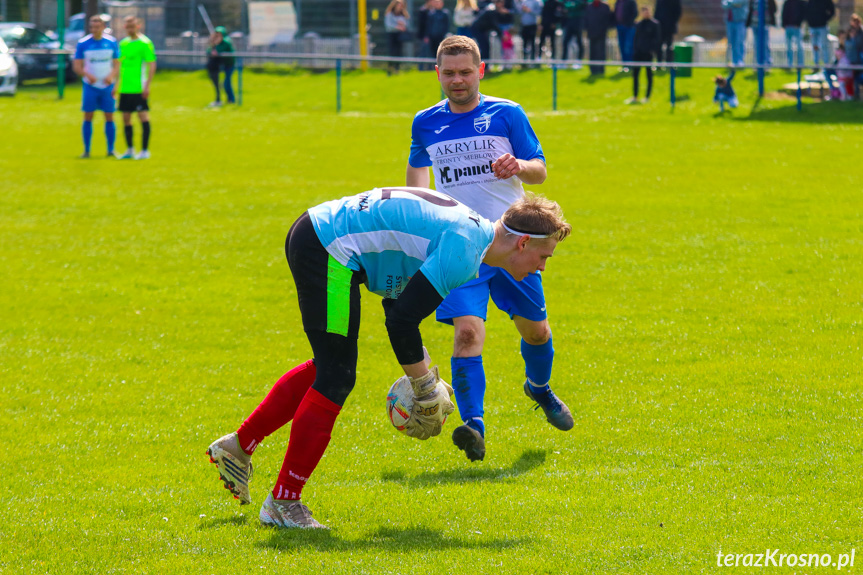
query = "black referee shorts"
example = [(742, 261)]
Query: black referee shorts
[(133, 103)]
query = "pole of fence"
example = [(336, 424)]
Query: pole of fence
[(240, 81), (61, 58), (363, 33), (554, 86), (799, 91), (673, 97), (761, 48), (338, 85)]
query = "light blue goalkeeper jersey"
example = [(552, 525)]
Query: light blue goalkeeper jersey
[(390, 233), (462, 147)]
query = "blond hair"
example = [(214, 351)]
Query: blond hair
[(392, 5), (455, 45), (536, 215), (466, 4)]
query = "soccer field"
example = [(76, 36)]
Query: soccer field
[(706, 314)]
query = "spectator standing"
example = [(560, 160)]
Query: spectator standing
[(464, 15), (793, 16), (506, 14), (552, 14), (818, 14), (647, 42), (437, 21), (530, 11), (625, 13), (485, 23), (598, 18), (396, 22), (667, 13), (574, 10), (769, 20), (220, 57), (736, 12)]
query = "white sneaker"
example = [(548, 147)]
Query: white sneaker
[(289, 514), (143, 155), (129, 155), (235, 466), (215, 105)]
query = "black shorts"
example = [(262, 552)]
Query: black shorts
[(133, 103), (328, 292)]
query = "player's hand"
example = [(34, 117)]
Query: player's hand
[(431, 405), (114, 92), (506, 167), (91, 79), (146, 92)]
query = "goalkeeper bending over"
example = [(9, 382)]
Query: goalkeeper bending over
[(410, 245)]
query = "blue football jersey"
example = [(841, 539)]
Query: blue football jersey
[(98, 57), (462, 147), (390, 233)]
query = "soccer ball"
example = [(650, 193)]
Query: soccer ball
[(400, 402)]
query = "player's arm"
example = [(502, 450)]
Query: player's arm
[(418, 300), (115, 71), (151, 71), (530, 172), (431, 394), (417, 177)]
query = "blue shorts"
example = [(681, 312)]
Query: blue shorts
[(523, 298), (97, 99)]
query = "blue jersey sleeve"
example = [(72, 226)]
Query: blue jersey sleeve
[(525, 144), (419, 157), (116, 50), (455, 262), (79, 51)]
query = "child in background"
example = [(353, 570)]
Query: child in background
[(844, 75), (724, 92), (507, 45)]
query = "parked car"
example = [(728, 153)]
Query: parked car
[(8, 71), (23, 35)]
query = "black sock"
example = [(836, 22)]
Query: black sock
[(145, 141), (128, 131)]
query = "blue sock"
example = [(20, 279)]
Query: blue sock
[(537, 366), (468, 383), (87, 133), (110, 134)]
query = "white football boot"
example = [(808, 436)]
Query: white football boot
[(288, 514), (235, 466)]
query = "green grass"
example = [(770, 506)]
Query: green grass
[(706, 315)]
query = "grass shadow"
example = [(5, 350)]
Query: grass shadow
[(831, 112), (387, 539), (236, 520), (529, 460)]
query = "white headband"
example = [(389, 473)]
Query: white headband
[(516, 233)]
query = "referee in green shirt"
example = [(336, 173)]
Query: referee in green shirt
[(137, 67)]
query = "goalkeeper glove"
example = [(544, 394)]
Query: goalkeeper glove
[(431, 405)]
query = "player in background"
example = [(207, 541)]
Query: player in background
[(137, 67), (96, 61), (411, 246), (481, 149)]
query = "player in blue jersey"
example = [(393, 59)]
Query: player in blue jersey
[(481, 149), (97, 62), (412, 246)]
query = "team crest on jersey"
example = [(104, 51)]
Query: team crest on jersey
[(482, 123)]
